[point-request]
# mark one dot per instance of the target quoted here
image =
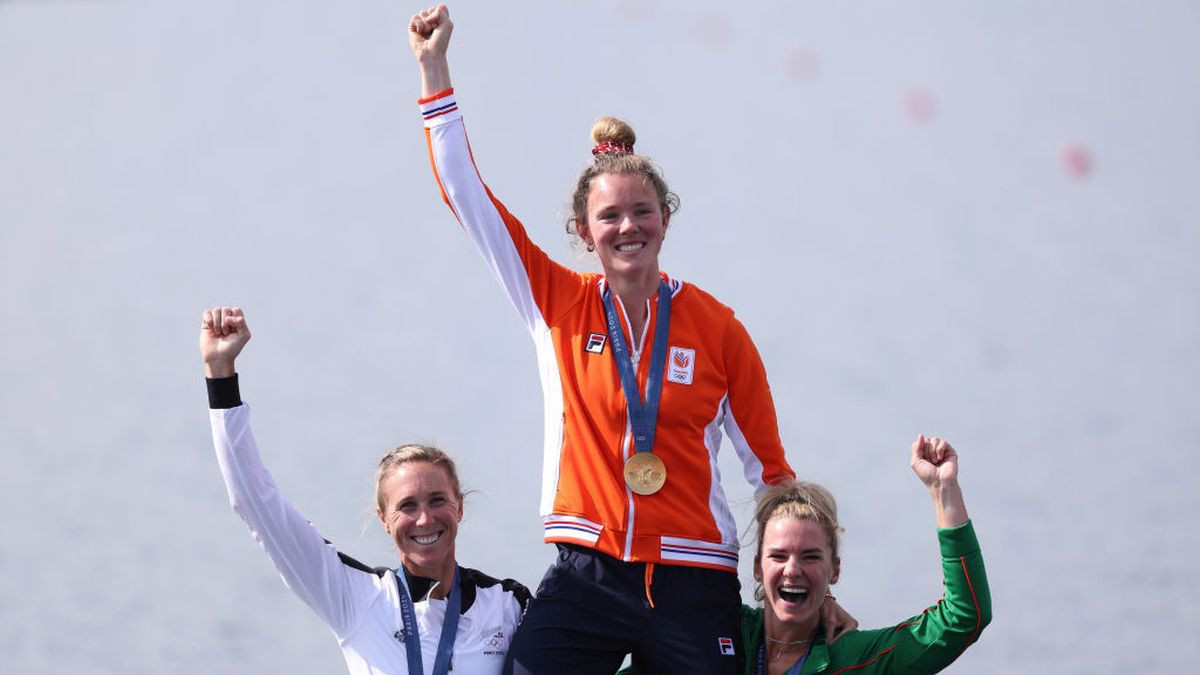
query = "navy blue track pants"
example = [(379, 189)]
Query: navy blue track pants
[(592, 609)]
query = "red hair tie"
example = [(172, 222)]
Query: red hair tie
[(611, 148)]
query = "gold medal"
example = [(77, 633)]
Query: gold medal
[(645, 473)]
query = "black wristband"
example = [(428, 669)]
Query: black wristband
[(223, 392)]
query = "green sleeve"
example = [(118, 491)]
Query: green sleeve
[(932, 640)]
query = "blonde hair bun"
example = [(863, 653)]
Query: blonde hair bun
[(613, 130)]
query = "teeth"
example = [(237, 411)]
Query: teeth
[(793, 593), (427, 539), (630, 247)]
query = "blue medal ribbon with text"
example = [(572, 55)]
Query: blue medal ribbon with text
[(412, 634), (642, 418)]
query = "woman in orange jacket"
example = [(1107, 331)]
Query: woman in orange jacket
[(640, 372)]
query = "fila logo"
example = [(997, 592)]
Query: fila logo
[(682, 365), (726, 645), (595, 343)]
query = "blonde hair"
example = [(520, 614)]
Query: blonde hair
[(803, 501), (415, 452), (618, 132)]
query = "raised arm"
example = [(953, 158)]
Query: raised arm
[(936, 463), (930, 641), (310, 567), (539, 288), (429, 35)]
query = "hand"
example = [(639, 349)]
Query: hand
[(223, 334), (934, 461), (429, 33), (936, 464), (836, 620)]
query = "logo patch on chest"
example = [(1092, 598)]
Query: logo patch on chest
[(595, 343), (495, 644), (681, 365)]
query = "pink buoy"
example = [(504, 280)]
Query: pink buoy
[(920, 106), (803, 64), (1076, 160)]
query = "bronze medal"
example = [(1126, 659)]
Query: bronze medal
[(645, 473)]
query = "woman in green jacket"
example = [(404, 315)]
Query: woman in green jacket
[(797, 561)]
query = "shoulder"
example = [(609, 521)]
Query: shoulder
[(697, 309), (590, 280), (360, 566), (693, 297), (479, 583)]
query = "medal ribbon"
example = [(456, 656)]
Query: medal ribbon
[(642, 418), (412, 635)]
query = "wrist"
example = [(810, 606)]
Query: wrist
[(435, 76), (219, 368), (948, 503), (431, 59), (945, 493)]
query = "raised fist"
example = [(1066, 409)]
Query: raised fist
[(429, 33), (934, 461), (223, 334)]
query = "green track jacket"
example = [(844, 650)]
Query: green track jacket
[(926, 643)]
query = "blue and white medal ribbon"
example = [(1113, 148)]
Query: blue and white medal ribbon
[(645, 472), (412, 634)]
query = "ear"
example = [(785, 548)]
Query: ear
[(585, 233), (666, 220), (758, 569), (460, 508), (379, 512), (837, 571)]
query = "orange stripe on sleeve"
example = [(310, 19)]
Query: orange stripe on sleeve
[(978, 615), (864, 664)]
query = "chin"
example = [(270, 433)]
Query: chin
[(793, 615), (430, 563)]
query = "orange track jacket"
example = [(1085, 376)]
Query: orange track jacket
[(714, 378)]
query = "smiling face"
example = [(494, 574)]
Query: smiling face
[(626, 225), (796, 567), (420, 509)]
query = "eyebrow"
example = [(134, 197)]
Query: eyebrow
[(648, 203), (811, 549), (436, 493)]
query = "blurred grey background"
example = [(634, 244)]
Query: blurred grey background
[(971, 219)]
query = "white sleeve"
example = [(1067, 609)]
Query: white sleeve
[(534, 283), (309, 565)]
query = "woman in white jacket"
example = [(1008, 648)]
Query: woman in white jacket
[(429, 618)]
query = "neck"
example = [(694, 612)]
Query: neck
[(633, 293), (634, 289), (781, 633), (443, 574)]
